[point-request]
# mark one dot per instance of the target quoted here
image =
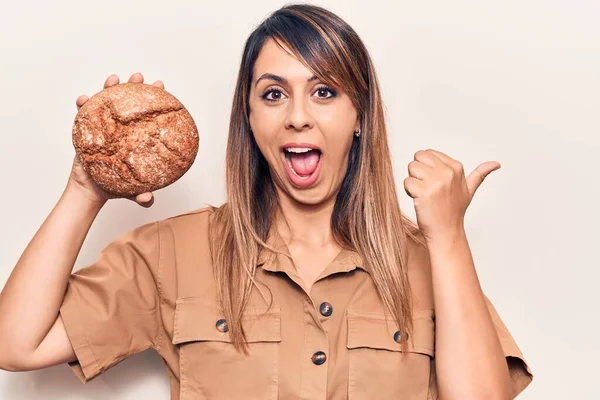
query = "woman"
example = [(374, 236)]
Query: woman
[(308, 282)]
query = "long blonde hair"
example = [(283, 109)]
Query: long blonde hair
[(366, 215)]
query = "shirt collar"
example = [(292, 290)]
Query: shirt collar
[(346, 260)]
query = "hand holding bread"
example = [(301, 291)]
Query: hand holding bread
[(131, 139)]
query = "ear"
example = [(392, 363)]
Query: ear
[(357, 125)]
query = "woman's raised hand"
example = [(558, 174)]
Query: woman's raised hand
[(81, 180)]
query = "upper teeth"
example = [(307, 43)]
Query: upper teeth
[(298, 149)]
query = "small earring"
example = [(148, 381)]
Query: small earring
[(357, 134)]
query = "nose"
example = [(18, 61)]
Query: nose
[(298, 116)]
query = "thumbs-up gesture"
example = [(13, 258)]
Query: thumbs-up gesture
[(441, 192)]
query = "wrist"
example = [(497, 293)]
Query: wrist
[(447, 238), (83, 201)]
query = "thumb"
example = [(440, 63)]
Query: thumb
[(475, 179)]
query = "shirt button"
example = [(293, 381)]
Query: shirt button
[(319, 358), (397, 336), (326, 309), (222, 325)]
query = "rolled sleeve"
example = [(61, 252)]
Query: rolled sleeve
[(520, 372), (111, 308)]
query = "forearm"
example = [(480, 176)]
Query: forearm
[(470, 363), (31, 298)]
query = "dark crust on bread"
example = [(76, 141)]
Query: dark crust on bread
[(134, 138)]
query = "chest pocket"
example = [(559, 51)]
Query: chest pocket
[(376, 367), (210, 366)]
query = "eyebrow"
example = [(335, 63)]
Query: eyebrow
[(279, 79)]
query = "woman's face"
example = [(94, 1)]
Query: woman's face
[(303, 128)]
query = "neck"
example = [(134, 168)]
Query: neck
[(310, 224)]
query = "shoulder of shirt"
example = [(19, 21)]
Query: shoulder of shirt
[(416, 246), (187, 223), (194, 217), (196, 212)]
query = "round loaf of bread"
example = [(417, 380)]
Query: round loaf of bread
[(134, 138)]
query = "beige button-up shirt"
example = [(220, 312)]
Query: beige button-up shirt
[(153, 288)]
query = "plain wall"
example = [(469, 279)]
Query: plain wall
[(514, 81)]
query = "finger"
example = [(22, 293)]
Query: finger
[(159, 84), (136, 78), (475, 178), (412, 187), (111, 81), (144, 199), (446, 159), (81, 101), (428, 158), (148, 204), (417, 169)]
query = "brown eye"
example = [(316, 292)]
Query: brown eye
[(272, 95), (325, 92)]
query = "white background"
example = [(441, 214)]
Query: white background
[(513, 81)]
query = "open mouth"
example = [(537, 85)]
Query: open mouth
[(302, 163)]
